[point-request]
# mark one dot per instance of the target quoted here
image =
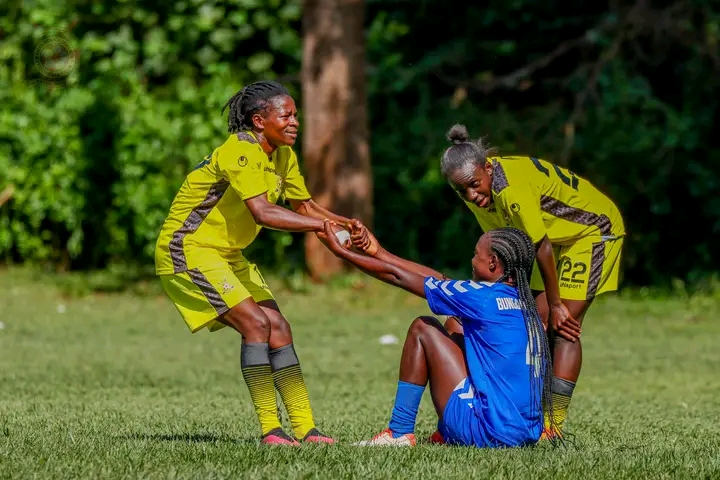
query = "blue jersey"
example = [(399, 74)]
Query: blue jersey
[(505, 400)]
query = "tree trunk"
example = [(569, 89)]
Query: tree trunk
[(335, 122)]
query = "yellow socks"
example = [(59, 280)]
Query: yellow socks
[(290, 383), (255, 365), (562, 391)]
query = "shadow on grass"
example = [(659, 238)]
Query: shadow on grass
[(188, 438)]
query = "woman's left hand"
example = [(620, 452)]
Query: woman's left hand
[(330, 238)]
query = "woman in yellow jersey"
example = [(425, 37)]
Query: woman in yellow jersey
[(218, 211), (578, 233)]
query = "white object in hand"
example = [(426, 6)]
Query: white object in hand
[(343, 236)]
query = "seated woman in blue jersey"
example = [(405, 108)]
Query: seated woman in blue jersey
[(491, 392)]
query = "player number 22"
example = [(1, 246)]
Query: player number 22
[(565, 175), (566, 266)]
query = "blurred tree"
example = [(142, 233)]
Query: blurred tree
[(335, 139)]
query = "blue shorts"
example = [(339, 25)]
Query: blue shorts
[(460, 425), (463, 425)]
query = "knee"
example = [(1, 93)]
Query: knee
[(453, 326), (421, 325), (253, 324), (279, 324)]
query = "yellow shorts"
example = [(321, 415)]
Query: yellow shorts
[(585, 269), (201, 295)]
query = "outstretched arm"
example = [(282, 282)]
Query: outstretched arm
[(407, 265), (381, 254), (358, 231), (387, 272), (278, 218), (247, 178), (311, 209)]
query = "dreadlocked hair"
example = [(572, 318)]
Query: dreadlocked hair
[(516, 251), (250, 100)]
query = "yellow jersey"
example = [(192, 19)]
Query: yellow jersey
[(209, 222), (542, 199)]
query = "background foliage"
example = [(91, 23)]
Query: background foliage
[(625, 96)]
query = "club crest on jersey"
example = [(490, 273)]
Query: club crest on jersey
[(242, 161), (227, 287), (515, 207)]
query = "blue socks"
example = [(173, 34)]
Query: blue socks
[(407, 403)]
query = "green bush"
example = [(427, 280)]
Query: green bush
[(97, 155)]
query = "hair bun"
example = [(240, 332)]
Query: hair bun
[(458, 134)]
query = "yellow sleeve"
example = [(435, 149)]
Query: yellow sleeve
[(485, 219), (243, 169), (294, 187), (523, 210)]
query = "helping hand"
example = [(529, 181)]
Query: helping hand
[(332, 241), (362, 239), (334, 228)]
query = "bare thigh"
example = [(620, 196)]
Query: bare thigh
[(431, 355)]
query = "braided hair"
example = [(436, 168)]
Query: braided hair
[(250, 100), (516, 251)]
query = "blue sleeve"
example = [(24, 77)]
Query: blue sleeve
[(459, 298)]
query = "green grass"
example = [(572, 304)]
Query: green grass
[(114, 386)]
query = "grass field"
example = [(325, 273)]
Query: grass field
[(114, 386)]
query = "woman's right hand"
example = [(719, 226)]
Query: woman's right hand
[(563, 323), (362, 239)]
